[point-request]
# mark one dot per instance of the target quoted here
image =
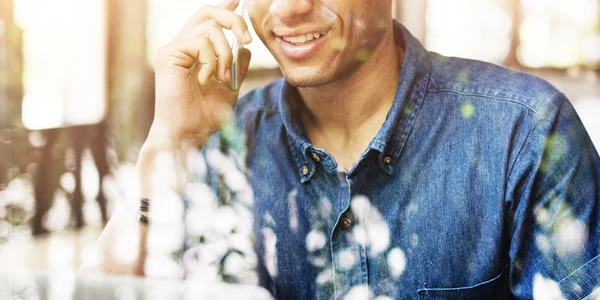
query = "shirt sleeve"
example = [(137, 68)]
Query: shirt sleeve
[(553, 197)]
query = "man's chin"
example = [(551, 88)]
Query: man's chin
[(306, 78)]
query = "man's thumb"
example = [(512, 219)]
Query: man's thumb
[(244, 56)]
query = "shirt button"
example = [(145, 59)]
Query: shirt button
[(315, 157), (346, 222), (387, 160), (304, 170)]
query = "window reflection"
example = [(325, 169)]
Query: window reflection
[(560, 33), (469, 28), (64, 65)]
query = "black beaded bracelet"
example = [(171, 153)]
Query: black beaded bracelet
[(144, 206), (143, 219)]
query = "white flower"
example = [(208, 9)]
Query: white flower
[(570, 236), (346, 259), (219, 161), (325, 208), (19, 192), (198, 220), (236, 180), (371, 228), (240, 241), (206, 254), (268, 219), (543, 243), (379, 237), (325, 276), (201, 195), (315, 240), (245, 218), (359, 292), (542, 216), (270, 254), (546, 289), (226, 220), (360, 236), (396, 261), (317, 261), (235, 264), (246, 196), (293, 209), (195, 162), (360, 204)]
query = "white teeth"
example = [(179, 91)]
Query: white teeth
[(298, 40)]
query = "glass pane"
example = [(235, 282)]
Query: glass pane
[(477, 29), (560, 33), (167, 17), (64, 62)]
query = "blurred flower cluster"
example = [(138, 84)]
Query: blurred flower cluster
[(16, 206), (219, 237)]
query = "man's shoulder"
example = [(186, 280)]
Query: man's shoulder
[(491, 82)]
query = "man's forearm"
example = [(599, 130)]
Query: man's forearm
[(121, 249)]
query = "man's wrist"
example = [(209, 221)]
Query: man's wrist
[(162, 139)]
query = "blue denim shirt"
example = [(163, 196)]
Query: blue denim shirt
[(482, 183)]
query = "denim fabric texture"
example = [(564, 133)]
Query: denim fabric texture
[(481, 184)]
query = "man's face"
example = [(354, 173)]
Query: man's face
[(317, 42)]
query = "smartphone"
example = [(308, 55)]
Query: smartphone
[(235, 48)]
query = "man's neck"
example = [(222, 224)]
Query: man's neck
[(344, 116)]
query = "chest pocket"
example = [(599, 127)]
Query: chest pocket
[(495, 288)]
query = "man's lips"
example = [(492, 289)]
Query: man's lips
[(301, 49)]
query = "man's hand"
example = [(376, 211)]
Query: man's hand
[(193, 77), (193, 100)]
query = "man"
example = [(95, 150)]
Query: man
[(380, 169)]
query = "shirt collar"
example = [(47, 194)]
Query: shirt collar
[(390, 139)]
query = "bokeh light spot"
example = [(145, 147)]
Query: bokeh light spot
[(467, 110), (363, 54)]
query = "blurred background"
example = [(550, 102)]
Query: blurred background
[(76, 96)]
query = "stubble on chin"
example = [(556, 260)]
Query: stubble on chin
[(306, 79)]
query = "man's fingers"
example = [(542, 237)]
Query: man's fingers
[(188, 53), (215, 34), (222, 50), (207, 61), (229, 4), (225, 18)]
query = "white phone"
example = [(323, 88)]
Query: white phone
[(235, 47)]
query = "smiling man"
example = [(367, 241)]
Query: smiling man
[(379, 169)]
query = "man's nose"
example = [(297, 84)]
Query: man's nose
[(288, 9)]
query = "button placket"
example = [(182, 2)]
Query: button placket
[(387, 161), (315, 157), (304, 170), (346, 222)]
